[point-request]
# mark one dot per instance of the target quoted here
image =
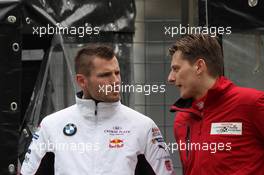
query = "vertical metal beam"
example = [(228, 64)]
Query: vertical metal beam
[(185, 12)]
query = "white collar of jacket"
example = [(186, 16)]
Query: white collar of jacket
[(90, 109)]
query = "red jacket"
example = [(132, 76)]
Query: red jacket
[(223, 131)]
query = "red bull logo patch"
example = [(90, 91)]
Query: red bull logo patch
[(116, 143)]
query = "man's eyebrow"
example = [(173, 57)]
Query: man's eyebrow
[(104, 73)]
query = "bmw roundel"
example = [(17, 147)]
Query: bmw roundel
[(70, 129)]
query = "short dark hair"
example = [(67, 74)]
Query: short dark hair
[(85, 56), (197, 46)]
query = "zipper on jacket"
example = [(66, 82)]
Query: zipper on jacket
[(95, 111), (95, 168), (187, 142), (95, 114)]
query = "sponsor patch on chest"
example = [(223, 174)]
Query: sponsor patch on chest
[(226, 128), (117, 130)]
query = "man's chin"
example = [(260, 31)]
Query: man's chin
[(113, 98), (185, 96)]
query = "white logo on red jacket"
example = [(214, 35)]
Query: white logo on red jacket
[(226, 128)]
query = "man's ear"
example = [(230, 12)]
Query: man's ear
[(200, 66), (81, 81)]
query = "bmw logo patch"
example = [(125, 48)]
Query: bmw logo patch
[(70, 129)]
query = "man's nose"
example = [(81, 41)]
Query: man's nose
[(116, 79), (171, 78)]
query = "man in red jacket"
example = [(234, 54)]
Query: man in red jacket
[(219, 127)]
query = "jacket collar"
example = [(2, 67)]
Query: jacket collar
[(196, 107), (92, 109)]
